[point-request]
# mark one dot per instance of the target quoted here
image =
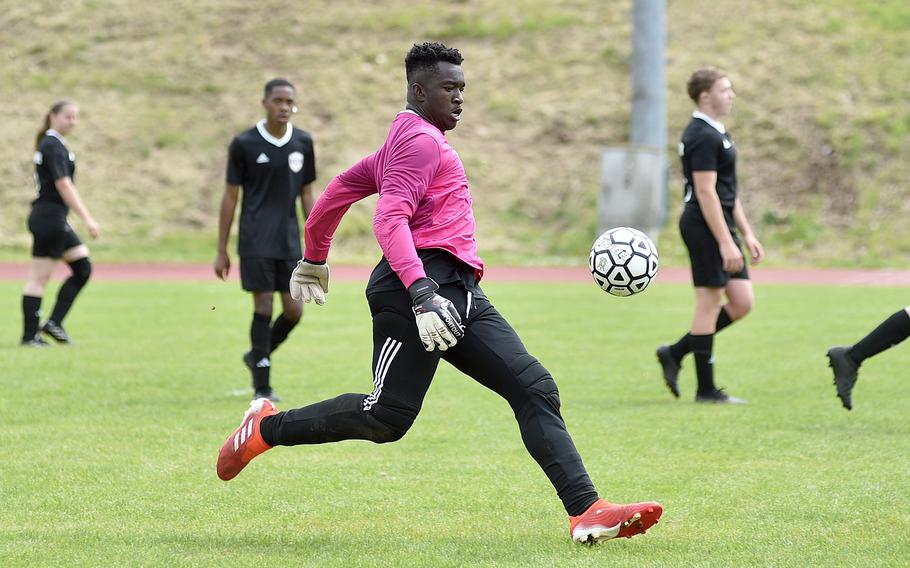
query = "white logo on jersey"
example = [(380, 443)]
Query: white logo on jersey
[(38, 159), (262, 159), (72, 157), (295, 161), (682, 149), (727, 144)]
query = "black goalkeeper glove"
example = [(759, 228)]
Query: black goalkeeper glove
[(438, 321)]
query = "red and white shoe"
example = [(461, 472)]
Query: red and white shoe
[(603, 521), (245, 443)]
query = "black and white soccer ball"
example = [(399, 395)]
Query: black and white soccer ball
[(623, 261)]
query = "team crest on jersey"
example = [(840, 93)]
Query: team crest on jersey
[(295, 161)]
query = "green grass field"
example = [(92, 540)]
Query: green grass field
[(107, 449)]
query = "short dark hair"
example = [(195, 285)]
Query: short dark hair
[(702, 80), (427, 54), (278, 82)]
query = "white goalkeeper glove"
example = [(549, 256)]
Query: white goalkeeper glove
[(438, 321), (310, 281)]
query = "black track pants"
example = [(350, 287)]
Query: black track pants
[(490, 352)]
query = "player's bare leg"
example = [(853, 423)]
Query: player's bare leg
[(740, 299)]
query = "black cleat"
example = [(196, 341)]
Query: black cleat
[(56, 332), (261, 393), (844, 374), (718, 396), (670, 368), (36, 341), (266, 393)]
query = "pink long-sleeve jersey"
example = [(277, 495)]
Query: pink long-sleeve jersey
[(424, 201)]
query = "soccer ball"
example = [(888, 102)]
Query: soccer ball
[(623, 261)]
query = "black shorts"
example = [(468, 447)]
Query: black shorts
[(51, 234), (266, 274), (704, 254)]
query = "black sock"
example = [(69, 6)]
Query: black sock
[(683, 347), (280, 330), (31, 315), (82, 269), (333, 420), (702, 347), (888, 334), (723, 320), (259, 340)]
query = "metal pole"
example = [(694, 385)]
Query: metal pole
[(634, 178), (649, 106)]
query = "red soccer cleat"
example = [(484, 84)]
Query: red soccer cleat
[(245, 443), (603, 521)]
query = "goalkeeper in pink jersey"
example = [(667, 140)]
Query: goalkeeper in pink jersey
[(427, 305)]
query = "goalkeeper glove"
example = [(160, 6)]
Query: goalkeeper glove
[(438, 321), (310, 281)]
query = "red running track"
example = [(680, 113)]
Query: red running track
[(170, 272)]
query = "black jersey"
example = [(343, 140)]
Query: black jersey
[(271, 172), (704, 148), (52, 161)]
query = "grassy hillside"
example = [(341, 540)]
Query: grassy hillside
[(821, 121)]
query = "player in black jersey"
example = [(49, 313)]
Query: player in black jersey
[(274, 163), (845, 361), (711, 223), (53, 237)]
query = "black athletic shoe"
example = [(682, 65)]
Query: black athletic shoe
[(718, 396), (670, 367), (844, 374), (56, 332), (248, 360), (36, 341), (266, 393)]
